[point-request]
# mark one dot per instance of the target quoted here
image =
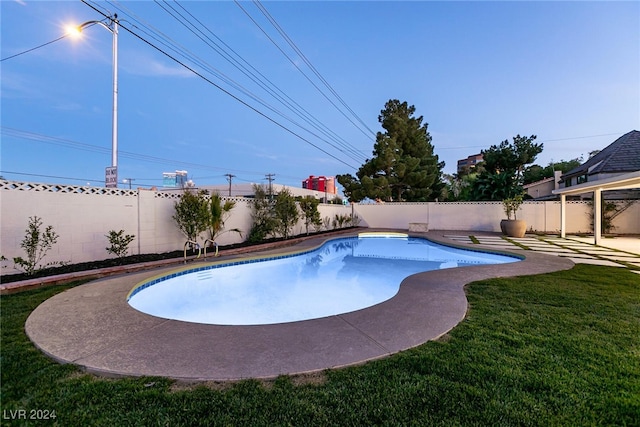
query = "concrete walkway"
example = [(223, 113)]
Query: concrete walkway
[(93, 326)]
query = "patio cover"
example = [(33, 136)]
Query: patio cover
[(620, 182)]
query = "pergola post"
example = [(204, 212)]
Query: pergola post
[(597, 215), (563, 216), (624, 181)]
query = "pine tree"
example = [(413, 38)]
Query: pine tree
[(404, 166)]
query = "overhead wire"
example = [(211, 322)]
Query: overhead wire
[(167, 41), (179, 51), (293, 45), (171, 45), (210, 43), (25, 135), (67, 34), (34, 48), (199, 74), (293, 62), (234, 58)]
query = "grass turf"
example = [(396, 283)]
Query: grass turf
[(554, 349)]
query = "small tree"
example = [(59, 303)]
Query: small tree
[(192, 214), (36, 244), (503, 168), (119, 243), (218, 213), (285, 212), (262, 216), (310, 213)]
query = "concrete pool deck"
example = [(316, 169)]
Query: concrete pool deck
[(93, 326)]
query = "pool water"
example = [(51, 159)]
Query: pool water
[(341, 276)]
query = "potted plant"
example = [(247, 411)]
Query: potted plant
[(513, 227)]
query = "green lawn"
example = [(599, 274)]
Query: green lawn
[(555, 349)]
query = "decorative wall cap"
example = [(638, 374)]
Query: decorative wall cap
[(64, 188)]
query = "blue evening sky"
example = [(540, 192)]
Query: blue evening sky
[(478, 72)]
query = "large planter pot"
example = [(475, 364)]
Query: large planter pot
[(513, 227)]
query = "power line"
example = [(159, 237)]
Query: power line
[(20, 134), (32, 136), (237, 98), (230, 55), (261, 81), (34, 48), (291, 43), (582, 137), (542, 141), (178, 50), (42, 45), (298, 68)]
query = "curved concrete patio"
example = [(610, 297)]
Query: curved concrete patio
[(93, 326)]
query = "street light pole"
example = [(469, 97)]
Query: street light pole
[(111, 174)]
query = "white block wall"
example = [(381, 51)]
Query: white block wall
[(82, 216)]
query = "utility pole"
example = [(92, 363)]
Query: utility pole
[(270, 177), (229, 178)]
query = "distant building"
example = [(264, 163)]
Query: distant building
[(322, 184), (465, 165), (542, 190), (177, 179)]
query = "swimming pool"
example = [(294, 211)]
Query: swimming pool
[(340, 276)]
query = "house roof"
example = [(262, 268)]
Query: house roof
[(621, 156)]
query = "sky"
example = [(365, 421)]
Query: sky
[(295, 88)]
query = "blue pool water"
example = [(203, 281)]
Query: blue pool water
[(341, 276)]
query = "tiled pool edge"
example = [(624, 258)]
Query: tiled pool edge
[(177, 272)]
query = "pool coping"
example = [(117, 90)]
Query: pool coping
[(93, 326)]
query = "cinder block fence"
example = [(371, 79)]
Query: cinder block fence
[(83, 215)]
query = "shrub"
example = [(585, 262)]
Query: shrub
[(192, 214), (36, 244), (310, 213), (262, 216), (119, 243), (326, 222), (339, 221), (285, 213)]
